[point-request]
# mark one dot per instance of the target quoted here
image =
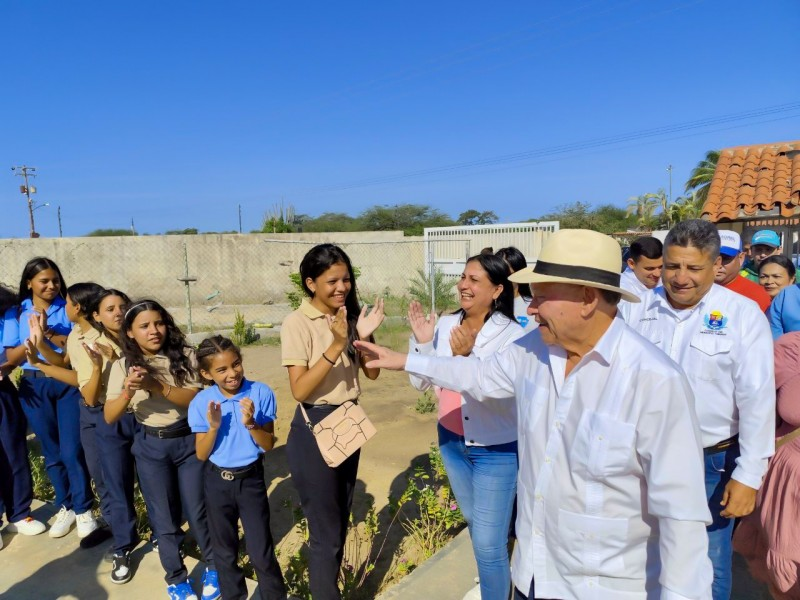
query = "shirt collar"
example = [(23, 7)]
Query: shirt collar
[(659, 299), (57, 303), (310, 310), (244, 390)]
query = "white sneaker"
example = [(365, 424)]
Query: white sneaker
[(63, 523), (86, 524), (27, 526), (474, 593)]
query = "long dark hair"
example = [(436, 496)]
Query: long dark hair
[(498, 271), (318, 260), (83, 294), (216, 344), (516, 260), (8, 298), (94, 306), (174, 347), (34, 266)]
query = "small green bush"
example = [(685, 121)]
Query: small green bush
[(426, 403), (243, 334)]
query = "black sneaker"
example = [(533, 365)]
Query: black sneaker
[(121, 568)]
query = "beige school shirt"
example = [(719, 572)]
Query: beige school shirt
[(153, 410), (305, 335), (81, 362)]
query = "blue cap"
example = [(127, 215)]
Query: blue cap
[(766, 237)]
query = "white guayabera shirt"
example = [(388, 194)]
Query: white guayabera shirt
[(629, 282), (724, 345), (611, 494)]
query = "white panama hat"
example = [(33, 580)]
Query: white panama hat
[(578, 257)]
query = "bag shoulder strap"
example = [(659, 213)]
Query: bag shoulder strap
[(305, 417)]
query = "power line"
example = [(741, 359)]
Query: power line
[(566, 148)]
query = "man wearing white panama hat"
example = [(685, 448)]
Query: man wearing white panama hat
[(610, 487)]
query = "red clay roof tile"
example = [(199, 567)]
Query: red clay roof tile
[(749, 179)]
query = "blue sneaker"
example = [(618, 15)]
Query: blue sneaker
[(210, 585), (181, 591)]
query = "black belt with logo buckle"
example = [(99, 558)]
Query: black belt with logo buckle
[(237, 473), (723, 445), (180, 429)]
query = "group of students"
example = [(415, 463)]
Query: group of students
[(114, 392)]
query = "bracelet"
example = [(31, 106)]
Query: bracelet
[(169, 390), (48, 335), (251, 426), (333, 362), (125, 394)]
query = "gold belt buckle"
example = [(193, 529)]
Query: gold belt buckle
[(226, 475)]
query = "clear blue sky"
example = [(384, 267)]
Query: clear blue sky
[(173, 113)]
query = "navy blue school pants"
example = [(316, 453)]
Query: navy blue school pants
[(227, 501), (91, 416), (171, 477), (326, 495), (115, 444), (53, 412), (16, 485)]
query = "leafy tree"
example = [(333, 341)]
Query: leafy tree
[(410, 218), (331, 222), (473, 217), (187, 231), (701, 176), (686, 207), (109, 232)]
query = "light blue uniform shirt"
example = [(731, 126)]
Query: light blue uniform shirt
[(234, 446), (784, 312), (16, 330)]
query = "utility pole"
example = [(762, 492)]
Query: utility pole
[(60, 231), (669, 169), (133, 229), (25, 172), (240, 218)]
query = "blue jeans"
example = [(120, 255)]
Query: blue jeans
[(719, 467), (484, 482), (53, 412)]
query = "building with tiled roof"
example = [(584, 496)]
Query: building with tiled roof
[(757, 187)]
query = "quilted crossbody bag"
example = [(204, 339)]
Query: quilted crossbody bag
[(341, 433)]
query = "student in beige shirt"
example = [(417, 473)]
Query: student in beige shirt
[(157, 381), (323, 365)]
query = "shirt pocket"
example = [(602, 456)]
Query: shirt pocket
[(603, 446), (591, 546), (709, 357), (530, 404)]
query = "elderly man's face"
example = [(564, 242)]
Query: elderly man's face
[(688, 274), (556, 307)]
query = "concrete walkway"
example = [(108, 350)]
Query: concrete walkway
[(451, 573), (42, 568)]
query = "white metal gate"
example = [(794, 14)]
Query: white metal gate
[(447, 248)]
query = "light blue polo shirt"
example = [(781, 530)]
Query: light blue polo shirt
[(234, 446), (16, 329)]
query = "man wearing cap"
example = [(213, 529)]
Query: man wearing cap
[(763, 244), (644, 266), (610, 485), (722, 340), (727, 273)]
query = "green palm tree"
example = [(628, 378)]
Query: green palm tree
[(685, 207), (701, 175), (644, 207)]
